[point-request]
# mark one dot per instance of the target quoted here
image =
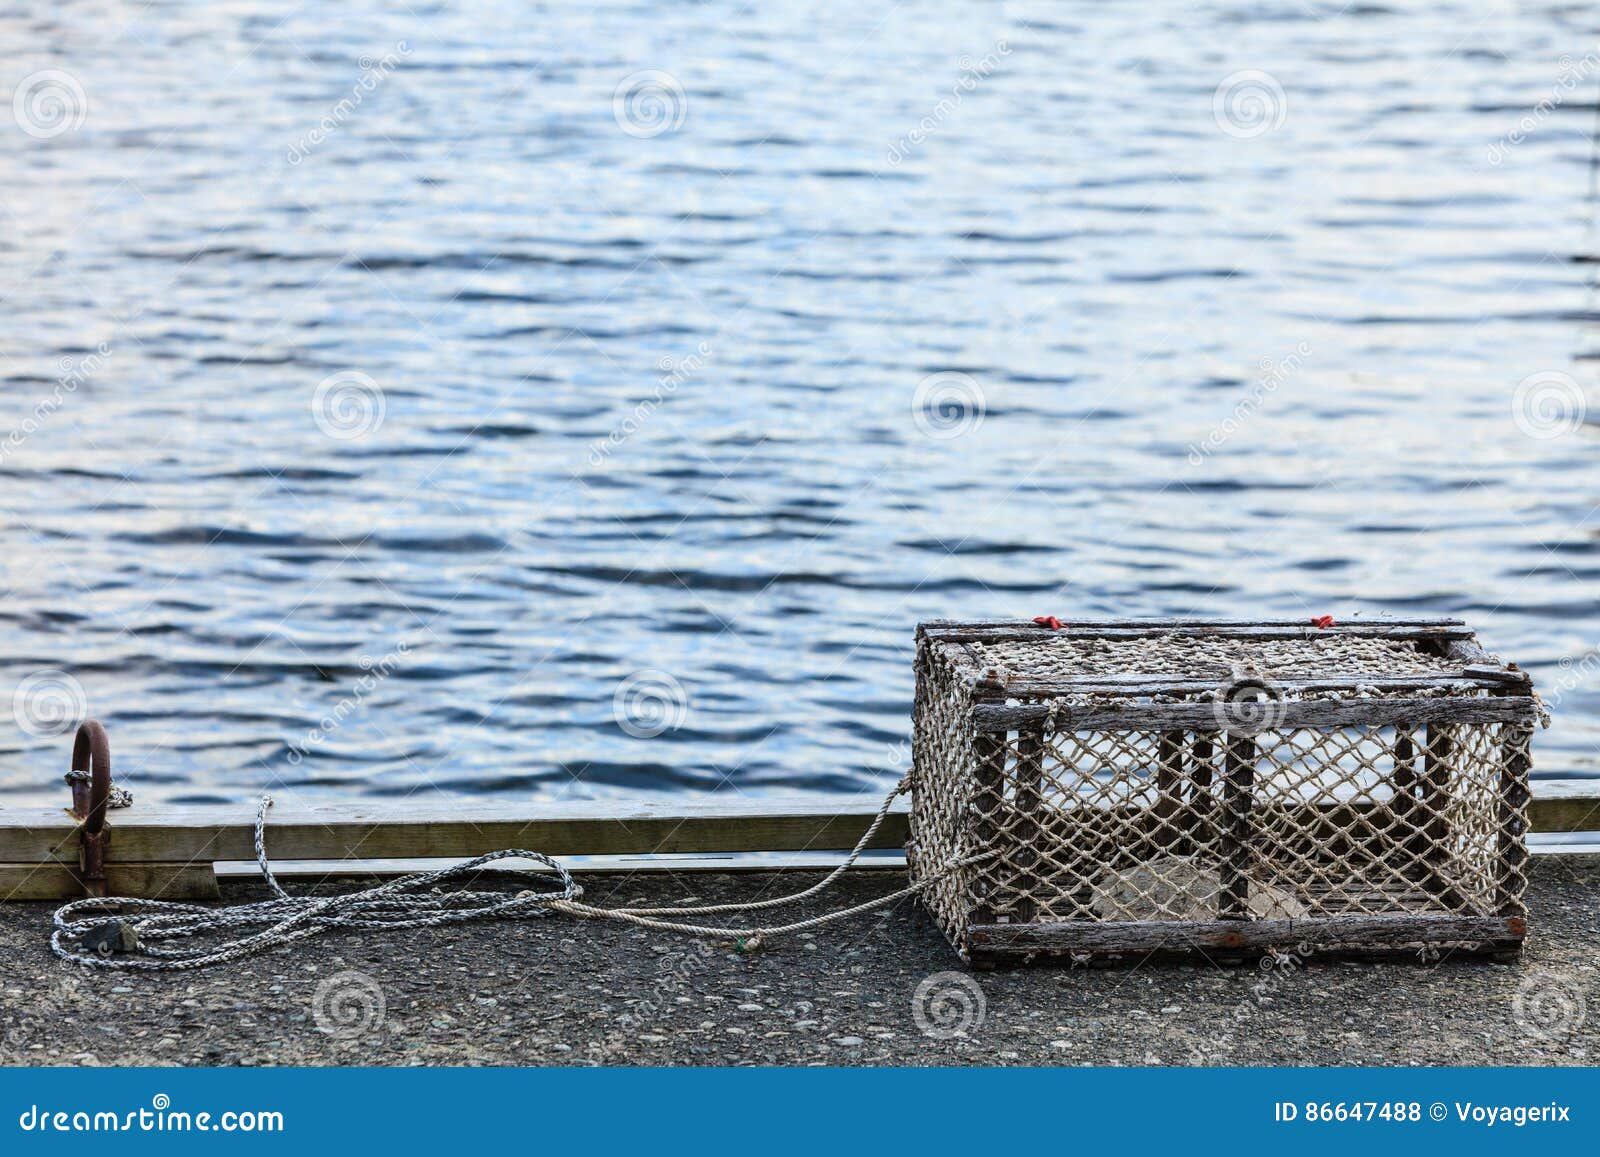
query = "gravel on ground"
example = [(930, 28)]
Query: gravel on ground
[(882, 989)]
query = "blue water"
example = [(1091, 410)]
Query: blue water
[(853, 314)]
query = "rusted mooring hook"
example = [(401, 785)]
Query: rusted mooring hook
[(90, 779)]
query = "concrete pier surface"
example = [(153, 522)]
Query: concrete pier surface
[(880, 989)]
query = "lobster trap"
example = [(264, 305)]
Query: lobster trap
[(1119, 789)]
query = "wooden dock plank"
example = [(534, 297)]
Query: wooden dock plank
[(424, 830), (196, 881), (205, 834), (1571, 805)]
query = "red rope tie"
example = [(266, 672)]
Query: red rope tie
[(1322, 622), (1050, 621)]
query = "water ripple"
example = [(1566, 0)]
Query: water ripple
[(386, 412)]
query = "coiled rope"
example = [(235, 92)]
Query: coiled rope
[(163, 936)]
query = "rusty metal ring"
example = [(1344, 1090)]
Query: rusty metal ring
[(91, 753), (91, 760)]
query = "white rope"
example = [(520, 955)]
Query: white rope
[(157, 935)]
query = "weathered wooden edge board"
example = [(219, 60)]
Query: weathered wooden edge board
[(201, 881), (1219, 716), (732, 863), (1018, 687), (1564, 806), (1019, 630), (56, 881), (422, 831), (1163, 624), (219, 832), (998, 941)]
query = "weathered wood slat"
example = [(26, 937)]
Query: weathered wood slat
[(989, 761), (1033, 634), (1438, 746), (1164, 828), (999, 941), (56, 881), (1503, 675), (1018, 687), (1202, 824), (1022, 630), (1512, 861), (1469, 651), (1167, 624), (1168, 620), (1238, 829), (1306, 713), (1029, 800), (1571, 805)]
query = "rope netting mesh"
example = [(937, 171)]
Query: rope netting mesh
[(942, 759), (1125, 825)]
